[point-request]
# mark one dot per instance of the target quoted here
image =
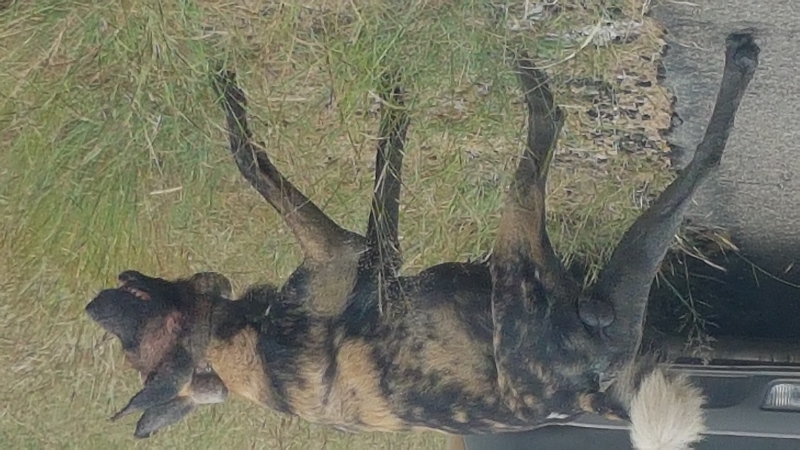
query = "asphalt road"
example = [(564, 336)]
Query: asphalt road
[(756, 193)]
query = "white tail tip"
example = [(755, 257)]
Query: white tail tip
[(666, 413)]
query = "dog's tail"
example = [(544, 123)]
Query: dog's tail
[(665, 408)]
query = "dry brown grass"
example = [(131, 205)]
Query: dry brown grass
[(113, 158)]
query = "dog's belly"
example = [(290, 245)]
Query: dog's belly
[(440, 386), (434, 370), (440, 374), (350, 398)]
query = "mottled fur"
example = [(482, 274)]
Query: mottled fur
[(482, 347)]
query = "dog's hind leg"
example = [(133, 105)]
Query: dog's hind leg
[(522, 227), (382, 227), (626, 279), (531, 288), (321, 239)]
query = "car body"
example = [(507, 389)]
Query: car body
[(737, 377)]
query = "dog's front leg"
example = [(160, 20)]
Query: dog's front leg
[(330, 252), (383, 256), (321, 239)]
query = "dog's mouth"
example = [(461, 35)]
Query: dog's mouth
[(138, 293), (126, 283)]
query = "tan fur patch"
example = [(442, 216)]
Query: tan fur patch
[(238, 364), (355, 397), (359, 377), (586, 402), (331, 283), (460, 416), (453, 353)]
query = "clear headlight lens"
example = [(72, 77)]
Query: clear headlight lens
[(783, 396)]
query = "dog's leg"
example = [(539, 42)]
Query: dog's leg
[(528, 277), (383, 254), (522, 227), (626, 279), (320, 238)]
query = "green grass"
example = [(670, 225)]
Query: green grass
[(112, 157)]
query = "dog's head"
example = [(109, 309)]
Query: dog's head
[(164, 328)]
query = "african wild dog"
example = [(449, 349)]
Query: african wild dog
[(508, 344)]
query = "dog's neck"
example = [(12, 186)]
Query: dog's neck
[(240, 336), (230, 316)]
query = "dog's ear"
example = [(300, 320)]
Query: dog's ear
[(205, 388), (163, 415), (170, 378)]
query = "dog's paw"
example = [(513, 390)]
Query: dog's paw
[(743, 51)]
